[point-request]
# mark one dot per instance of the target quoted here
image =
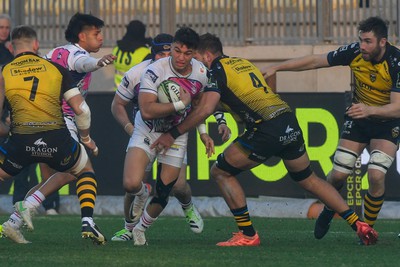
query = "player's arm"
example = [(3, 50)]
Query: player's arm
[(82, 117), (90, 64), (309, 62), (208, 101), (118, 109), (389, 111), (223, 129)]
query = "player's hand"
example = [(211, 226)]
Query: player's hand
[(224, 131), (268, 72), (358, 111), (106, 60), (90, 144), (208, 143), (163, 143), (185, 96)]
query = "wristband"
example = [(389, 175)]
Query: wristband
[(179, 105), (86, 137), (201, 128), (220, 117), (174, 132)]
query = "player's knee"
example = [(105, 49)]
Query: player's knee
[(380, 161), (344, 160), (132, 185), (301, 175), (222, 164), (162, 192), (81, 163)]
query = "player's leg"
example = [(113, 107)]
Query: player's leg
[(382, 156), (136, 192), (300, 171), (169, 166), (11, 227), (345, 157), (167, 175), (183, 193), (229, 164)]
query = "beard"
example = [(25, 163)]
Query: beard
[(373, 55)]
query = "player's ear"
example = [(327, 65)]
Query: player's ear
[(382, 42), (35, 45), (82, 36)]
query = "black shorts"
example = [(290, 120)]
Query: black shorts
[(56, 148), (281, 137), (363, 130)]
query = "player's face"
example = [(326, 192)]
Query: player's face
[(4, 30), (162, 54), (181, 57), (371, 47), (91, 39)]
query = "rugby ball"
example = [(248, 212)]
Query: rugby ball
[(168, 92)]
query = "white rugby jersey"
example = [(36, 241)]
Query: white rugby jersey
[(162, 70), (128, 89), (67, 55)]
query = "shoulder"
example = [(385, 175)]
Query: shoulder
[(393, 57), (198, 69), (136, 71)]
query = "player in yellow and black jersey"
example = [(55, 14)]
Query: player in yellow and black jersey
[(35, 92), (271, 130), (372, 119), (34, 89), (244, 92)]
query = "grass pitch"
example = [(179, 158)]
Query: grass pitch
[(56, 242)]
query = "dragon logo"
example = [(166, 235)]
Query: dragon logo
[(40, 142)]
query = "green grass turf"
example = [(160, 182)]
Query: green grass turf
[(284, 242)]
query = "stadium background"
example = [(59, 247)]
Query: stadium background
[(262, 31)]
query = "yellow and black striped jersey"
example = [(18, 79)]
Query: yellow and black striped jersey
[(244, 92), (374, 81), (34, 88)]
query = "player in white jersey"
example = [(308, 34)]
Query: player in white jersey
[(154, 118), (85, 37), (127, 92)]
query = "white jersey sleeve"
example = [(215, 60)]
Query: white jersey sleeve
[(129, 86)]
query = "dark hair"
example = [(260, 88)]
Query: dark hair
[(134, 37), (23, 32), (210, 42), (77, 24), (376, 25), (162, 42), (188, 37)]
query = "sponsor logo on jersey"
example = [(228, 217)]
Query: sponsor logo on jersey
[(125, 82), (146, 140), (153, 77), (395, 132), (346, 126), (41, 149), (65, 161), (290, 135), (27, 70), (25, 61), (372, 76), (79, 52)]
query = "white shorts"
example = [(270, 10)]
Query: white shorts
[(142, 138), (70, 122)]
